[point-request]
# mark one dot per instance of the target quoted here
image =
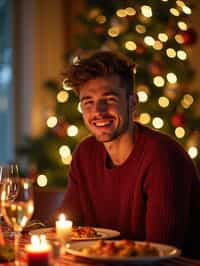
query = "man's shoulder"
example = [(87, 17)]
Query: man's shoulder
[(88, 144)]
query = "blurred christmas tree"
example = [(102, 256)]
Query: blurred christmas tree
[(157, 36)]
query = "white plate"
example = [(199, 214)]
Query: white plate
[(165, 252), (102, 233)]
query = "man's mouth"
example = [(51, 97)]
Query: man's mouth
[(102, 123)]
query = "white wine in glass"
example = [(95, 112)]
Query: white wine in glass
[(18, 210)]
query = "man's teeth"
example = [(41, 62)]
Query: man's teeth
[(102, 124)]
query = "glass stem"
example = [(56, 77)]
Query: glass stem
[(16, 246)]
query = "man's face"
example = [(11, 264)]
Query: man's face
[(105, 108)]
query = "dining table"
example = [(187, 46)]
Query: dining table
[(71, 260)]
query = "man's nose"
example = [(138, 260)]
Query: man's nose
[(101, 106)]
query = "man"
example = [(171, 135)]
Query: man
[(127, 176)]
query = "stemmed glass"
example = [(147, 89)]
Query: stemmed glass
[(17, 210)]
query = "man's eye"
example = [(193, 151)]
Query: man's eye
[(112, 100), (87, 103)]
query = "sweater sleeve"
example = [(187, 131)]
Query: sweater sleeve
[(168, 188)]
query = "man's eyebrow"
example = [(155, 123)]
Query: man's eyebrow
[(85, 98)]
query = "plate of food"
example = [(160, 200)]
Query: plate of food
[(122, 251), (79, 233)]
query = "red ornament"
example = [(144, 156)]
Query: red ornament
[(99, 30), (156, 67), (60, 129), (140, 49), (189, 36), (178, 120)]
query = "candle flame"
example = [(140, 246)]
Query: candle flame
[(62, 217), (38, 241)]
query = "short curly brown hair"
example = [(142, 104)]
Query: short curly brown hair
[(101, 64)]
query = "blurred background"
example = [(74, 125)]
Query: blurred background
[(40, 119)]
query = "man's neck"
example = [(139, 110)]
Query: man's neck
[(120, 148)]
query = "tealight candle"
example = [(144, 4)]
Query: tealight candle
[(38, 252), (63, 229)]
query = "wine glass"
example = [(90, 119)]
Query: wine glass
[(17, 210)]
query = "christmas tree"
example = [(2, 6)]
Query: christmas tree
[(156, 35)]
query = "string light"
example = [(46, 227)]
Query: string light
[(181, 55), (64, 151), (171, 78), (67, 160), (42, 180), (130, 11), (187, 10), (171, 53), (193, 152), (163, 37), (174, 12), (72, 131), (146, 11), (180, 3), (130, 45), (179, 132), (158, 45), (121, 13), (140, 28), (52, 121), (101, 19), (163, 101), (142, 96), (148, 40), (182, 25), (79, 108), (159, 81), (65, 86), (187, 101), (179, 39), (113, 31), (144, 118), (157, 122), (62, 96)]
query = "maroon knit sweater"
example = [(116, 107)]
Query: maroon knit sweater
[(154, 195)]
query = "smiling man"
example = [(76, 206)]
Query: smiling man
[(126, 176)]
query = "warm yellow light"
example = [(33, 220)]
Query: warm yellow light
[(180, 3), (62, 96), (171, 53), (113, 31), (67, 160), (76, 60), (101, 19), (171, 78), (159, 81), (181, 55), (64, 151), (79, 108), (142, 96), (148, 40), (144, 118), (146, 11), (42, 180), (158, 45), (52, 121), (72, 130), (179, 38), (157, 122), (187, 10), (130, 45), (179, 132), (121, 13), (174, 12), (65, 86), (130, 11), (163, 101), (163, 37), (140, 28), (182, 25), (187, 101), (193, 152)]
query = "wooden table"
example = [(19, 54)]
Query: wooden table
[(70, 260)]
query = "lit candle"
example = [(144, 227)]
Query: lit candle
[(63, 229), (38, 252)]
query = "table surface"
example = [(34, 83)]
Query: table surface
[(70, 260)]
